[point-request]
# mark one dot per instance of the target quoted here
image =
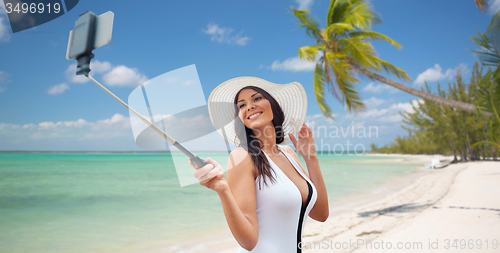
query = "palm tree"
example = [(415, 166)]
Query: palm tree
[(343, 52)]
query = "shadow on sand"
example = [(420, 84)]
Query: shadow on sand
[(474, 208), (406, 208)]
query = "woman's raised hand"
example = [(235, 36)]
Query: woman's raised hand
[(305, 143), (211, 176)]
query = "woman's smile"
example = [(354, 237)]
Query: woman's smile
[(254, 115), (255, 110)]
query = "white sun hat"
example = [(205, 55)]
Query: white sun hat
[(291, 97)]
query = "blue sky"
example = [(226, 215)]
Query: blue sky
[(43, 106)]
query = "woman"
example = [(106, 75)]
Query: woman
[(267, 195)]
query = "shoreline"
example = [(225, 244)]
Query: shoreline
[(369, 220), (338, 209), (383, 213), (412, 214)]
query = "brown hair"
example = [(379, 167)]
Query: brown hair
[(251, 143)]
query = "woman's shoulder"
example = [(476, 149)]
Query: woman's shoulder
[(240, 153), (240, 160), (289, 150)]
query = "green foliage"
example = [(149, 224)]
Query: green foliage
[(343, 43), (437, 129), (488, 89)]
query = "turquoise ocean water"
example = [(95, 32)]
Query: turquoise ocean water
[(132, 202)]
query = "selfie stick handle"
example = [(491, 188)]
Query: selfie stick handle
[(198, 162)]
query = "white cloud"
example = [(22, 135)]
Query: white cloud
[(78, 131), (294, 64), (379, 88), (2, 89), (304, 4), (95, 67), (436, 73), (4, 76), (123, 76), (373, 102), (387, 114), (120, 76), (112, 133), (358, 131), (116, 120), (99, 67), (225, 35), (51, 125), (58, 89), (407, 107), (494, 6)]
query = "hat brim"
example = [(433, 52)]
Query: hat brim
[(291, 97)]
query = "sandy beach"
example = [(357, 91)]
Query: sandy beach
[(454, 209)]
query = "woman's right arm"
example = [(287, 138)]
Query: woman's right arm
[(237, 194)]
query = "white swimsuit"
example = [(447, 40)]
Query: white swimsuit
[(281, 213)]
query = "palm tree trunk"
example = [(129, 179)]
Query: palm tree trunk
[(427, 96), (464, 157), (453, 148)]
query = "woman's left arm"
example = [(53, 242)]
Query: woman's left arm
[(306, 147)]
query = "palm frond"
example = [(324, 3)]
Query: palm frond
[(486, 52), (482, 5), (497, 145), (360, 51), (308, 22), (319, 91), (329, 75), (374, 36), (391, 69), (350, 97), (337, 63), (336, 12), (338, 28), (336, 55), (361, 15), (345, 83), (309, 53), (494, 33)]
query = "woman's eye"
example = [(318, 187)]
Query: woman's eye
[(257, 99), (241, 105)]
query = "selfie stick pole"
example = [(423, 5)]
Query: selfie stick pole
[(91, 32), (197, 162)]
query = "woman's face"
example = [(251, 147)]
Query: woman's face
[(254, 109)]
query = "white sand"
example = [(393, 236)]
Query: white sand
[(461, 201)]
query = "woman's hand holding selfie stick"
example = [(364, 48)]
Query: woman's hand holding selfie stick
[(211, 175)]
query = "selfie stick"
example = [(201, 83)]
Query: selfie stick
[(92, 32)]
